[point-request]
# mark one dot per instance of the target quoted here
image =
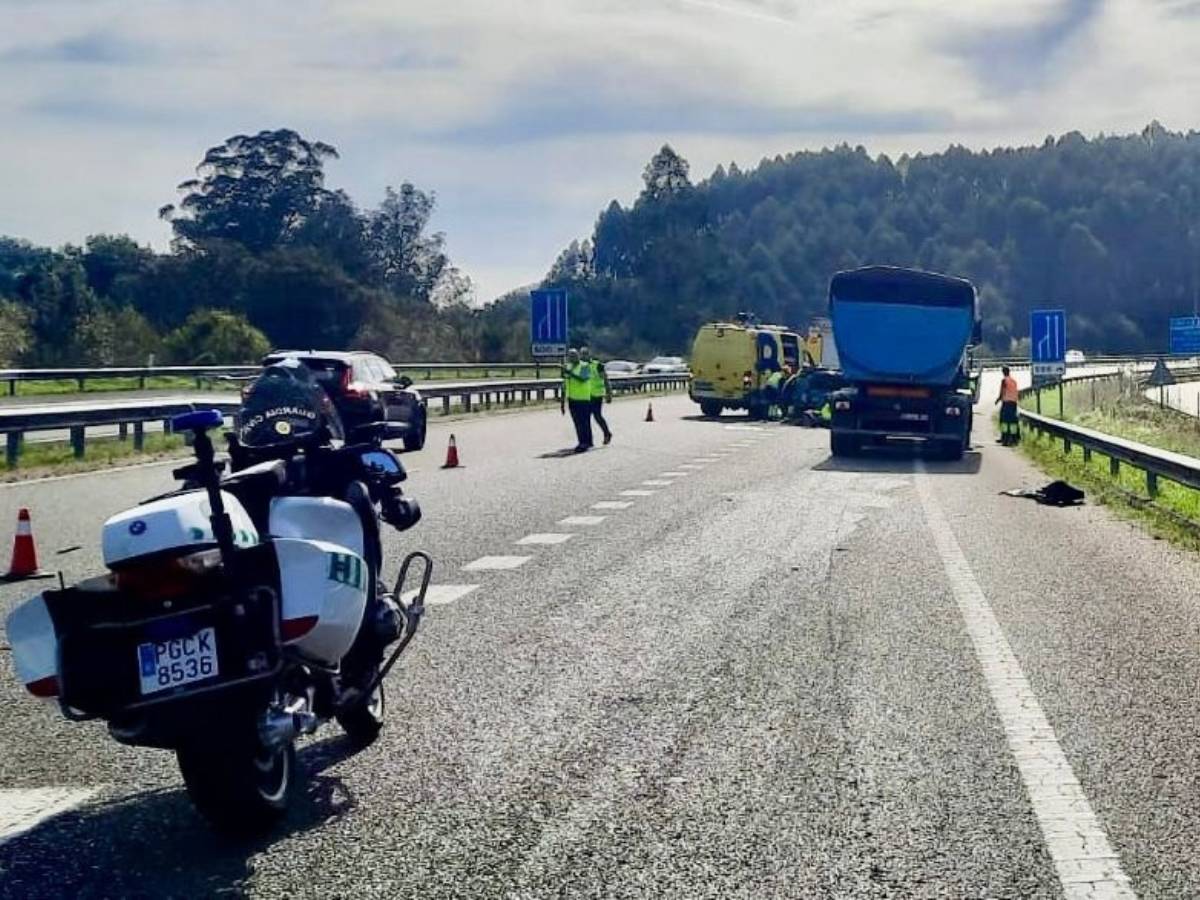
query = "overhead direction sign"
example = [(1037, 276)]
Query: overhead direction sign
[(1047, 344), (548, 322), (1185, 335)]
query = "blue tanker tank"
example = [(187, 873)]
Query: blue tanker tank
[(902, 337)]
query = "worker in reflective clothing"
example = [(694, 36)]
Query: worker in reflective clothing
[(577, 397), (771, 392), (601, 392), (1010, 421)]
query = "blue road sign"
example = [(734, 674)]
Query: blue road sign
[(1047, 345), (1048, 336), (1185, 335), (548, 322)]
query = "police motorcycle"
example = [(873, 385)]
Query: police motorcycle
[(242, 610)]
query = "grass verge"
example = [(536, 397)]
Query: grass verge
[(40, 460), (109, 385), (1174, 513)]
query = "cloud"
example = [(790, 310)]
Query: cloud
[(93, 48), (1016, 57), (527, 118)]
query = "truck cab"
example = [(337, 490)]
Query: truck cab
[(903, 338)]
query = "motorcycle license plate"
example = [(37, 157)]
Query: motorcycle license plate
[(177, 661)]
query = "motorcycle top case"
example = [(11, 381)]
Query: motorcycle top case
[(81, 643), (181, 522)]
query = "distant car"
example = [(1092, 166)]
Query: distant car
[(1075, 358), (665, 365), (620, 367), (370, 398)]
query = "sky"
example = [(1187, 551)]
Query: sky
[(527, 118)]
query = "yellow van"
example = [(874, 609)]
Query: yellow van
[(732, 361)]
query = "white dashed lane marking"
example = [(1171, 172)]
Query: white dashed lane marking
[(493, 563), (441, 594), (573, 521), (690, 466), (657, 482), (612, 504), (1087, 864), (546, 538), (674, 474), (636, 493), (21, 810)]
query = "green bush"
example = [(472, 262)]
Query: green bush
[(215, 337)]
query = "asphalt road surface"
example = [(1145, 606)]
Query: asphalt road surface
[(715, 663)]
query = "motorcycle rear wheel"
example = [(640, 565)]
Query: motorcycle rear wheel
[(240, 786)]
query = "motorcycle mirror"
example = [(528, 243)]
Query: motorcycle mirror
[(383, 463)]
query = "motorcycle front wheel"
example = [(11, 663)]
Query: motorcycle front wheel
[(363, 721), (240, 786)]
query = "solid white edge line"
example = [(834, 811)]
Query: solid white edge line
[(1086, 863)]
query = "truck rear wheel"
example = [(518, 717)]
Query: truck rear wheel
[(710, 408)]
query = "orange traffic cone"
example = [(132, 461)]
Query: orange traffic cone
[(451, 455), (24, 555), (650, 412)]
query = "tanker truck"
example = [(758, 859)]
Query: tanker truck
[(903, 339)]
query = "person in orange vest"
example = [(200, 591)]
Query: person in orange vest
[(1010, 422)]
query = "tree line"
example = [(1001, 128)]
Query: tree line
[(1106, 228), (266, 254), (263, 255)]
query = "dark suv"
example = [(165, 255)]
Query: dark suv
[(367, 393)]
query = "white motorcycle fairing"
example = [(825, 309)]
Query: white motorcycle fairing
[(34, 647), (317, 519), (324, 595)]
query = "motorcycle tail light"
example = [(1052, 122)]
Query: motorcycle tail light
[(291, 629), (164, 578), (44, 687)]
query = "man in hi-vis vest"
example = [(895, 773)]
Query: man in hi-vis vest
[(577, 397), (601, 391)]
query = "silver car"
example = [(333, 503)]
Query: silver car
[(665, 365)]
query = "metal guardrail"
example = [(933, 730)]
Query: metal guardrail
[(81, 376), (16, 422), (1155, 462), (141, 373), (76, 418)]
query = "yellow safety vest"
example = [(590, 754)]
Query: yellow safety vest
[(599, 386), (579, 382)]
